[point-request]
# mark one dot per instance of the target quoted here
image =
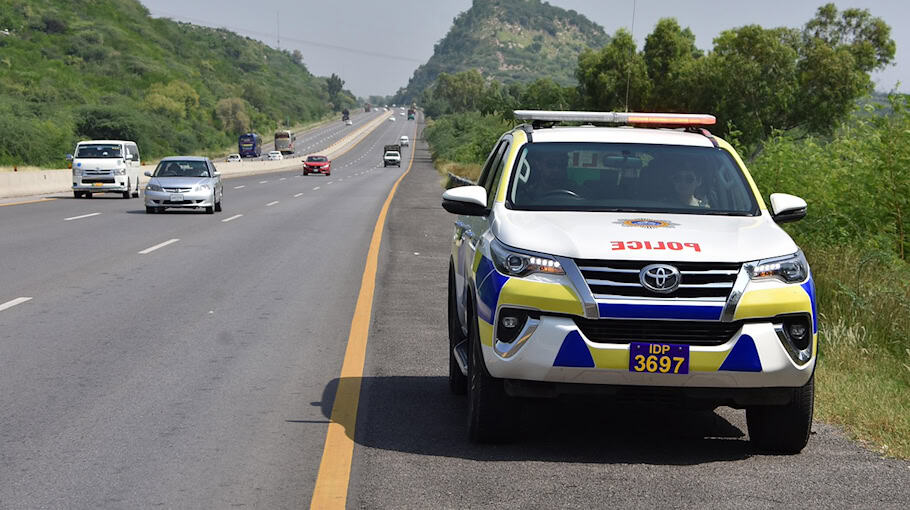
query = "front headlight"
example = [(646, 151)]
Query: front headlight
[(790, 268), (203, 187), (512, 262), (153, 187), (120, 171), (77, 171)]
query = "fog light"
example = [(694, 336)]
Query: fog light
[(511, 321), (798, 331)]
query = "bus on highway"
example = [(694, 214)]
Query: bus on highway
[(249, 145), (284, 141)]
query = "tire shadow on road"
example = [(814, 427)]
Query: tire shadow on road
[(419, 415)]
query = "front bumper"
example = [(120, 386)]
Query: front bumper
[(187, 199), (552, 347), (101, 184), (317, 170)]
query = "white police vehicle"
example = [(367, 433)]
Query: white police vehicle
[(631, 258)]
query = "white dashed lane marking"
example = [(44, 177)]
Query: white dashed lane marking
[(157, 246), (14, 302), (234, 217), (297, 195), (80, 217), (241, 186), (317, 187), (270, 204)]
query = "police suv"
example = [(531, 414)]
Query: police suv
[(632, 256)]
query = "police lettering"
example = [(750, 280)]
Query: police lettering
[(659, 245)]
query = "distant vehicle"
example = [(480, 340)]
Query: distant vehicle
[(317, 164), (345, 115), (249, 145), (233, 158), (348, 123), (411, 113), (392, 118), (367, 107), (403, 141), (106, 166), (275, 156), (391, 155), (184, 182), (284, 141)]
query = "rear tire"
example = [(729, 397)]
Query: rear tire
[(458, 382), (492, 415), (88, 194), (783, 429)]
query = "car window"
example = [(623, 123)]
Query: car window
[(101, 150), (182, 169), (485, 173), (629, 177), (496, 173)]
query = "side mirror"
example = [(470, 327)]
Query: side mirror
[(69, 157), (147, 173), (216, 173), (466, 200), (786, 208)]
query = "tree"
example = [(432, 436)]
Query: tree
[(868, 39), (669, 52), (334, 84), (614, 77), (231, 112)]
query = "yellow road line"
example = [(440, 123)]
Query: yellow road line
[(331, 489), (29, 202)]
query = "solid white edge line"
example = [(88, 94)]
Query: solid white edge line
[(234, 217), (14, 302), (159, 245), (270, 204), (80, 217)]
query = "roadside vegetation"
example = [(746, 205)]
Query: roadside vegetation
[(106, 69), (788, 100)]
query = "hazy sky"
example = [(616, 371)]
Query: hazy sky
[(376, 45)]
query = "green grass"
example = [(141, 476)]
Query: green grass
[(70, 71)]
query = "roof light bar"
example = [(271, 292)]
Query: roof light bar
[(662, 119)]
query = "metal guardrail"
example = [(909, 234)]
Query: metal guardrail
[(457, 180)]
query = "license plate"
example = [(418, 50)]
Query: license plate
[(98, 184), (658, 358), (176, 198)]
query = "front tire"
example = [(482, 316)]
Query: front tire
[(150, 210), (783, 429), (128, 193), (492, 415), (77, 194), (218, 205)]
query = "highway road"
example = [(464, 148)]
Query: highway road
[(186, 360)]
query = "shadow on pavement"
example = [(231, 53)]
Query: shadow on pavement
[(418, 415)]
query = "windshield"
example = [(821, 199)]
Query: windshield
[(630, 178), (316, 159), (101, 150), (182, 169)]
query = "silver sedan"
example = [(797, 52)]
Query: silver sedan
[(184, 182)]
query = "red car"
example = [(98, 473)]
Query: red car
[(317, 165)]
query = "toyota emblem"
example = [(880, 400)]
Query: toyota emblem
[(660, 278)]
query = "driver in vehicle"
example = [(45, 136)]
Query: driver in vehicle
[(546, 177), (685, 184)]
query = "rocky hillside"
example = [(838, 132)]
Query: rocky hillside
[(511, 40)]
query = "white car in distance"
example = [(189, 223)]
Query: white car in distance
[(275, 156)]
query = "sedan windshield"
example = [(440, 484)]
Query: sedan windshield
[(316, 159), (629, 178), (182, 169)]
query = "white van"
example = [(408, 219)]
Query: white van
[(106, 166)]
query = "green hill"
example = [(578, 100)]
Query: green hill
[(105, 68), (512, 41)]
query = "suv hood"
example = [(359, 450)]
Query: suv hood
[(98, 163), (643, 236)]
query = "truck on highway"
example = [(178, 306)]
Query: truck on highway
[(391, 155), (284, 141), (249, 145), (411, 113)]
